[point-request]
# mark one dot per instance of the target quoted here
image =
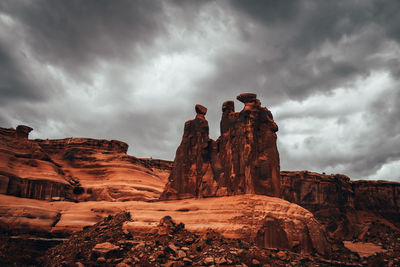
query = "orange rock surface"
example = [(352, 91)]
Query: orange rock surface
[(244, 216), (76, 169)]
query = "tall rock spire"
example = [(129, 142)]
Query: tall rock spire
[(243, 160)]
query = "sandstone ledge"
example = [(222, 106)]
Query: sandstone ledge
[(247, 217)]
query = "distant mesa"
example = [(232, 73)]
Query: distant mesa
[(243, 160)]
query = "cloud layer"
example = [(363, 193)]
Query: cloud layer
[(133, 71)]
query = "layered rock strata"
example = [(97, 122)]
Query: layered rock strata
[(247, 217), (26, 170), (76, 169), (345, 207), (243, 160)]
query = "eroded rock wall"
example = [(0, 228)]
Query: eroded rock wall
[(345, 207)]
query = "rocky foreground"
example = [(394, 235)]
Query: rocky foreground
[(170, 244)]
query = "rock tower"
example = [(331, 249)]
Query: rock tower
[(243, 160)]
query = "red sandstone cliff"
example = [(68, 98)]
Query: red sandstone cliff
[(345, 207), (76, 169)]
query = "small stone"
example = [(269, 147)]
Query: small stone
[(208, 261), (185, 248), (281, 255), (170, 263), (79, 264), (181, 254), (255, 262), (187, 260), (159, 254), (189, 240), (220, 260), (101, 260), (173, 247), (104, 248)]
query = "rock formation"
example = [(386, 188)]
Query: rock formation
[(193, 160), (76, 169), (116, 241), (342, 205), (246, 217), (247, 148), (243, 160)]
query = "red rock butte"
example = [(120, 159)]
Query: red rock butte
[(243, 160)]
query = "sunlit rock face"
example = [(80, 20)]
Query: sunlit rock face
[(76, 169), (26, 170), (270, 222), (243, 160)]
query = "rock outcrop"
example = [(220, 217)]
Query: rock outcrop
[(345, 207), (247, 149), (76, 169), (169, 243), (26, 170), (195, 161), (247, 217), (379, 197), (243, 160)]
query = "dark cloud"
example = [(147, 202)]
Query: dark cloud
[(14, 80), (133, 70), (76, 35), (269, 11), (386, 13)]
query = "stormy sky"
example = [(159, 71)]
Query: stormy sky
[(133, 70)]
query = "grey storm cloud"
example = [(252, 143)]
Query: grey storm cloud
[(133, 70), (76, 35)]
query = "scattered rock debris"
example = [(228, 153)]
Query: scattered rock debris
[(170, 244)]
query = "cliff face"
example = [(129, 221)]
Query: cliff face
[(379, 197), (244, 159), (345, 207), (26, 170), (76, 169)]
